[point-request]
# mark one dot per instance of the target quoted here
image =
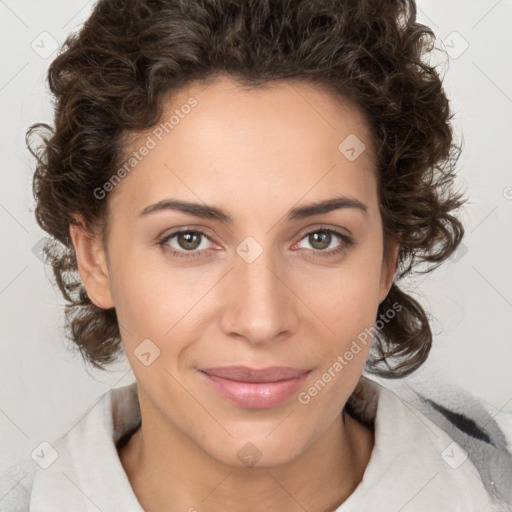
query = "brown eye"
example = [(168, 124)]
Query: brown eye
[(189, 240), (325, 242), (187, 243), (320, 239)]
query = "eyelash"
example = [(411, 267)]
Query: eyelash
[(346, 243)]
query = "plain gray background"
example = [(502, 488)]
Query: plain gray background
[(46, 388)]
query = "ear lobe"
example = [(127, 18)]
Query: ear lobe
[(92, 265)]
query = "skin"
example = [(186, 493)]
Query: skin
[(256, 154)]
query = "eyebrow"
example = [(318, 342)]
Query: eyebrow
[(214, 213)]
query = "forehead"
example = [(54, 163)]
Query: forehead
[(264, 111), (281, 141)]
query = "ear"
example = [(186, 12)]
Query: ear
[(388, 270), (92, 264)]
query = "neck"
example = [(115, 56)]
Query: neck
[(168, 471)]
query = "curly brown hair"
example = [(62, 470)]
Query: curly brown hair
[(109, 81)]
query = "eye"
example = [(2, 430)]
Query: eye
[(323, 239), (186, 243)]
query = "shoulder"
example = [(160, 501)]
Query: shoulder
[(51, 478), (448, 430), (16, 486)]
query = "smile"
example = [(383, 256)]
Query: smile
[(256, 389)]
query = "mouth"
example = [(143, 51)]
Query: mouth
[(256, 388)]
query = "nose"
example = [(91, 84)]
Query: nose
[(259, 306)]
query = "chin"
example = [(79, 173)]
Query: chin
[(258, 451)]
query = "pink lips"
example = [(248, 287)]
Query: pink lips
[(255, 388)]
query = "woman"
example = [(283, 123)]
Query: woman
[(235, 190)]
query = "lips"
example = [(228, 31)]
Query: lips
[(255, 388), (245, 374)]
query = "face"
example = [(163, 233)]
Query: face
[(249, 275)]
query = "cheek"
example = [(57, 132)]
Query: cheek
[(349, 309), (348, 304), (348, 298), (146, 305), (157, 302)]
